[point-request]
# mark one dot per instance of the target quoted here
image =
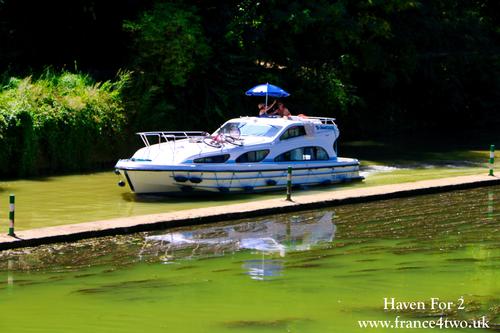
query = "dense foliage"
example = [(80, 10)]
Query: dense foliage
[(382, 67), (59, 122)]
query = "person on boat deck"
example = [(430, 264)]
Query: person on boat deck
[(282, 111), (263, 109)]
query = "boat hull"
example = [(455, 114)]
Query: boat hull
[(154, 179)]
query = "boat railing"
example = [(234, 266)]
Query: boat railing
[(169, 136), (324, 120)]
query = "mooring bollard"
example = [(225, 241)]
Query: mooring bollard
[(492, 159), (12, 200), (289, 184)]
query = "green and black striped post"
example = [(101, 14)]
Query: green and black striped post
[(12, 206), (492, 159), (289, 184)]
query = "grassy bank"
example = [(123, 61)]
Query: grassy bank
[(59, 122)]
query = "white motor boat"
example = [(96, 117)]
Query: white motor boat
[(246, 154)]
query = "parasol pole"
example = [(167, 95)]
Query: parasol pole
[(267, 89)]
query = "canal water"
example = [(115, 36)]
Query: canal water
[(316, 271), (59, 200), (51, 201)]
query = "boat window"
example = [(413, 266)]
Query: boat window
[(303, 154), (293, 132), (231, 129), (250, 129), (212, 159), (253, 156)]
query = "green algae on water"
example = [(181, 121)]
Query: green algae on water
[(317, 271)]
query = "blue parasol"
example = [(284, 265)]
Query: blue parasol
[(267, 90)]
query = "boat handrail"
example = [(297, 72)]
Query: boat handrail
[(323, 120), (171, 136)]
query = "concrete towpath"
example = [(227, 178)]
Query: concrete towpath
[(229, 212)]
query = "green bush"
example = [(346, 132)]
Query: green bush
[(59, 122)]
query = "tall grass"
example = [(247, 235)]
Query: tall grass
[(59, 122)]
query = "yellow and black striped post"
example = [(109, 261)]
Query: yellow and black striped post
[(492, 159), (289, 184), (12, 206)]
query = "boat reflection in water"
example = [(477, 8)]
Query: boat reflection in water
[(266, 237)]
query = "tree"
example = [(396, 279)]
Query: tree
[(169, 43)]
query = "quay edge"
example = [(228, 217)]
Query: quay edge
[(73, 232)]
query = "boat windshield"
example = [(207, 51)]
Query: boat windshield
[(249, 129)]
